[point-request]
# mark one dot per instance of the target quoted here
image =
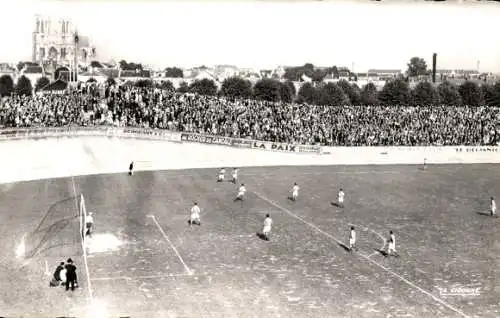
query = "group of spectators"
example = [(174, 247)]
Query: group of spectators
[(261, 120)]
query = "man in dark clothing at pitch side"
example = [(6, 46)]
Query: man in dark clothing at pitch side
[(56, 280), (57, 273), (70, 274), (131, 169)]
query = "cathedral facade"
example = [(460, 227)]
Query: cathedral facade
[(54, 44)]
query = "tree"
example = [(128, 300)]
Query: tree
[(308, 69), (286, 93), (352, 92), (417, 67), (125, 66), (295, 73), (166, 85), (292, 88), (395, 92), (448, 94), (369, 95), (236, 87), (332, 95), (183, 88), (24, 86), (174, 72), (143, 83), (22, 64), (491, 94), (488, 93), (110, 81), (267, 89), (6, 85), (306, 94), (95, 64), (318, 75), (41, 83), (471, 94), (292, 74), (355, 96), (334, 71), (425, 94), (495, 100), (203, 87)]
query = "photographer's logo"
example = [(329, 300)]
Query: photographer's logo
[(460, 291)]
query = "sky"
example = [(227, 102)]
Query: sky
[(258, 34)]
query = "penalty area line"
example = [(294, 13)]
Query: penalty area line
[(389, 271), (189, 272)]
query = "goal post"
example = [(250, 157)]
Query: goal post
[(83, 216)]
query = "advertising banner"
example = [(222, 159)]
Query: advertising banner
[(207, 139), (272, 146), (477, 149)]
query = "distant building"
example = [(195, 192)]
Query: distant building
[(266, 73), (221, 72), (54, 43), (458, 74), (7, 69), (375, 74), (99, 74), (279, 71)]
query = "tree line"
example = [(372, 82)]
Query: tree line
[(395, 92)]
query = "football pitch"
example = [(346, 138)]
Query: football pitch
[(145, 261)]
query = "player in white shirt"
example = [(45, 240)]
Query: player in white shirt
[(295, 191), (195, 215), (391, 250), (266, 231), (222, 173), (89, 223), (241, 193), (352, 239), (235, 175), (493, 211), (340, 199)]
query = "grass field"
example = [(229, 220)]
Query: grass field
[(164, 268)]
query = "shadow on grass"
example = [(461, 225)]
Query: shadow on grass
[(485, 214), (345, 247), (382, 252), (261, 236), (335, 204)]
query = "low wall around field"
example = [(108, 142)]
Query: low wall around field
[(50, 153)]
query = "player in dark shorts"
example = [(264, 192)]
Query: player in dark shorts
[(70, 275)]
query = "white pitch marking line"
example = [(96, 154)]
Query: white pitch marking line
[(171, 245), (140, 277), (449, 306), (87, 272), (374, 232)]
